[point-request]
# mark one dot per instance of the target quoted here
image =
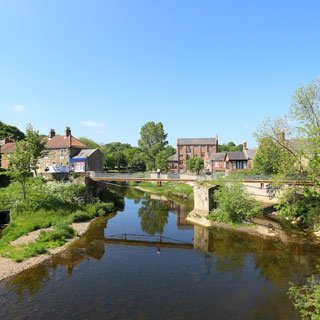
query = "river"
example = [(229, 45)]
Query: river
[(121, 269)]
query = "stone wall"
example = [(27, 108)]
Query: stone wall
[(53, 157), (203, 200)]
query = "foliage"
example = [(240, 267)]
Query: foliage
[(20, 164), (7, 130), (152, 141), (307, 298), (89, 142), (36, 146), (234, 204), (195, 165), (49, 204), (304, 208), (230, 147), (271, 158), (162, 161)]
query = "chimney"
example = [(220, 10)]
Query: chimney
[(7, 140), (52, 133), (217, 143), (281, 137), (67, 133), (244, 148)]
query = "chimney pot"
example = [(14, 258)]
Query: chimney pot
[(52, 133), (67, 132)]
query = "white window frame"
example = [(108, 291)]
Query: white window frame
[(216, 164)]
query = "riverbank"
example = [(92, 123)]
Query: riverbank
[(180, 190), (9, 268)]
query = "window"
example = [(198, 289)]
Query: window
[(188, 149), (180, 162), (203, 148), (181, 149), (195, 148), (63, 153), (208, 163), (46, 155), (202, 154), (210, 148), (216, 164), (224, 164), (173, 165), (234, 164), (180, 155), (195, 155), (245, 165), (188, 156), (46, 165)]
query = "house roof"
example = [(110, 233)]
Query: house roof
[(217, 156), (64, 142), (173, 158), (237, 156), (86, 153), (8, 147), (196, 141), (251, 153)]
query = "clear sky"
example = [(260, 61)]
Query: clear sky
[(105, 68)]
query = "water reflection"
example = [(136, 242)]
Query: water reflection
[(198, 283)]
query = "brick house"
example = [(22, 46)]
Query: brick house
[(229, 161), (64, 154), (191, 148)]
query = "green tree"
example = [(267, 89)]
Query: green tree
[(270, 157), (36, 145), (230, 147), (89, 143), (20, 164), (195, 165), (135, 158), (120, 159), (7, 130), (110, 161), (162, 161), (152, 140)]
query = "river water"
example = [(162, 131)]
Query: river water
[(121, 269)]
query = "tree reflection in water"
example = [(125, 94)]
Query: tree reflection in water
[(276, 262), (154, 215)]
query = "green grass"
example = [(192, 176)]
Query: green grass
[(48, 204), (169, 189)]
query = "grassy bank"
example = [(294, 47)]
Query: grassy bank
[(181, 190), (48, 204)]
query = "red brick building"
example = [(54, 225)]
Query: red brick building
[(191, 148)]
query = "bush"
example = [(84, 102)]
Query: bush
[(80, 216), (234, 205)]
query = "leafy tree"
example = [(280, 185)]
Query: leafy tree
[(110, 161), (20, 164), (162, 161), (195, 165), (7, 130), (36, 145), (230, 147), (270, 158), (153, 139), (170, 150), (120, 159), (234, 205), (88, 142), (135, 158)]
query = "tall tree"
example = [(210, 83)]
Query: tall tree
[(152, 140), (162, 161), (20, 164), (36, 144)]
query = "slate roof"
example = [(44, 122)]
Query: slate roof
[(173, 158), (64, 142), (86, 153), (196, 141), (8, 147), (217, 156), (236, 156), (250, 153)]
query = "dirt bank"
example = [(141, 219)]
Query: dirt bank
[(9, 268)]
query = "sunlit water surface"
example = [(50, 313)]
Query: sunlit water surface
[(120, 270)]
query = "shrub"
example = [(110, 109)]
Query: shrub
[(234, 205), (80, 216)]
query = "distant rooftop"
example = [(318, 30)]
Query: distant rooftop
[(195, 141)]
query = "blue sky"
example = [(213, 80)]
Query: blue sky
[(105, 68)]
